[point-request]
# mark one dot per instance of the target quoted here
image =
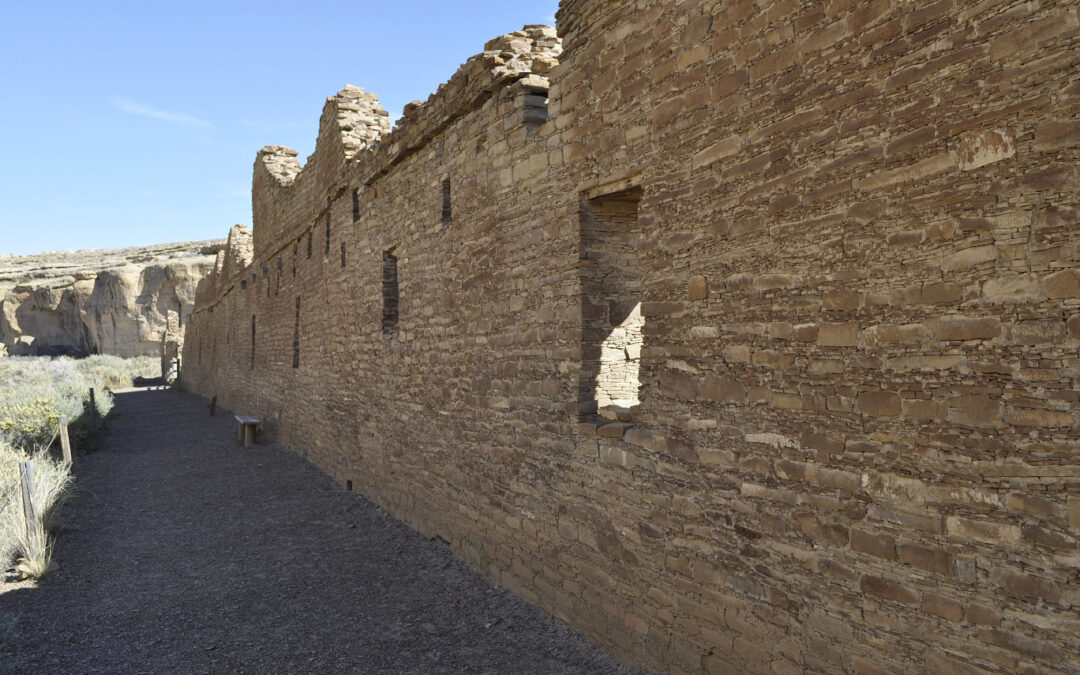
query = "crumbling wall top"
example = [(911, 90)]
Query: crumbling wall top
[(280, 162), (530, 53), (357, 117)]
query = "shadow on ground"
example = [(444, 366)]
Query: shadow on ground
[(184, 552)]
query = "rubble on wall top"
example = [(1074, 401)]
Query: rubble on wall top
[(361, 119), (281, 162), (531, 52)]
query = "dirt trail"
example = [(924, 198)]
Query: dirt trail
[(184, 552)]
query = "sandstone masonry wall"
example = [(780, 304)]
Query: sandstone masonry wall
[(856, 292)]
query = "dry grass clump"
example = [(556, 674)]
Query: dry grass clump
[(29, 550)]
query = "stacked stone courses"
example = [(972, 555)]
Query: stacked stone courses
[(857, 258)]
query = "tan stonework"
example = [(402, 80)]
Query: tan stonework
[(850, 231)]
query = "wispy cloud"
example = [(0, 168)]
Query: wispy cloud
[(133, 107)]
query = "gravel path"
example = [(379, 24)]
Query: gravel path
[(184, 552)]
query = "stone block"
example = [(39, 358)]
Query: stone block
[(878, 403), (880, 545), (646, 439), (737, 353), (939, 294), (958, 328), (808, 332), (1046, 419), (723, 390), (981, 615), (889, 334), (838, 335), (1037, 332), (923, 410), (970, 257), (888, 589), (1063, 284), (698, 289), (1073, 327), (986, 147), (613, 430), (1051, 136), (1013, 289), (973, 410), (717, 151), (1022, 644), (769, 358), (841, 300), (988, 532), (677, 384), (946, 608), (928, 558), (1036, 506)]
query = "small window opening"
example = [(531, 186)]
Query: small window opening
[(348, 485), (356, 204), (447, 212), (253, 342), (296, 336), (343, 254), (390, 294)]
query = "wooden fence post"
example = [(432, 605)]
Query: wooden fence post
[(65, 442), (26, 474), (213, 405)]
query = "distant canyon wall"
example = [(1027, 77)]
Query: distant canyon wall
[(98, 302)]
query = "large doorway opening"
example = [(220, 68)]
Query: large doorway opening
[(611, 305)]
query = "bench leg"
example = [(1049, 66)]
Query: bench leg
[(249, 435)]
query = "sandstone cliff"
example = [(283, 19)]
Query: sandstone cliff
[(89, 302)]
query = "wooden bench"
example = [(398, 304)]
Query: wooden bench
[(246, 429)]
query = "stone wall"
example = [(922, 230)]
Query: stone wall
[(856, 263)]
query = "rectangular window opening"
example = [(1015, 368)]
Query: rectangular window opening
[(327, 251), (356, 204), (390, 294), (343, 254), (348, 485), (296, 336), (447, 212), (612, 324)]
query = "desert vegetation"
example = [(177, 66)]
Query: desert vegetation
[(34, 393)]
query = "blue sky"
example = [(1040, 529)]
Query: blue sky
[(135, 123)]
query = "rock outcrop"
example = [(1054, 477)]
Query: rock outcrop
[(98, 302)]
